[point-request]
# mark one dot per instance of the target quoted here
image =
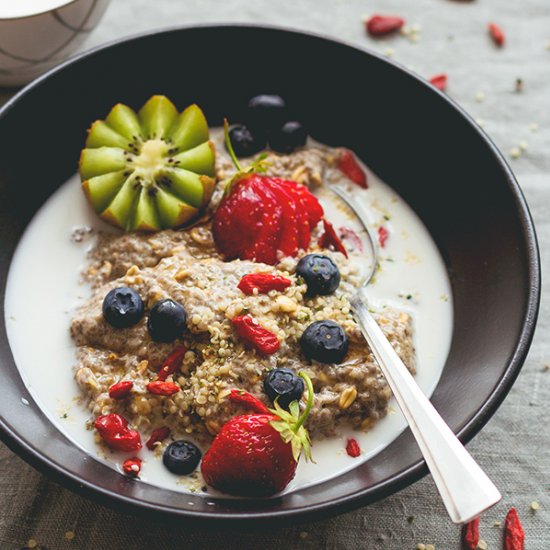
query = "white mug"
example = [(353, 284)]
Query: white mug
[(35, 35)]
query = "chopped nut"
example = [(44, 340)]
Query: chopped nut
[(223, 394), (182, 274), (347, 397), (482, 545), (284, 303), (300, 174), (142, 366), (134, 270), (213, 427), (534, 505), (201, 236)]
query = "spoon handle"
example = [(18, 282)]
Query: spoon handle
[(464, 487)]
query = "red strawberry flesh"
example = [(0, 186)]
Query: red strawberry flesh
[(267, 242), (238, 219), (288, 243)]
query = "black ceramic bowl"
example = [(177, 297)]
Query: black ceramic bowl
[(411, 135)]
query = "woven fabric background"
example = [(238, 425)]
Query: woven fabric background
[(514, 447)]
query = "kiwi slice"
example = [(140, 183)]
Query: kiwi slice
[(149, 170)]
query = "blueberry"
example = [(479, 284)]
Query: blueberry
[(167, 320), (284, 384), (181, 457), (122, 307), (324, 341), (268, 112), (247, 141), (288, 137), (320, 273)]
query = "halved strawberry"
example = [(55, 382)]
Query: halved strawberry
[(268, 236), (260, 215), (312, 206), (238, 219), (288, 243)]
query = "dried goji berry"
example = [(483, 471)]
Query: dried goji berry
[(379, 25), (471, 534), (383, 235), (514, 536), (158, 435), (172, 362), (132, 466), (244, 398), (497, 34), (347, 163), (263, 282), (352, 448), (159, 387), (252, 332), (329, 239), (114, 430), (121, 390), (439, 81)]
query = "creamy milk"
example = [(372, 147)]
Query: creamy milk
[(44, 289)]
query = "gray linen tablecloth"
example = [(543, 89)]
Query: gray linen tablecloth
[(514, 448)]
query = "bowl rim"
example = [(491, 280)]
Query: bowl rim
[(401, 479)]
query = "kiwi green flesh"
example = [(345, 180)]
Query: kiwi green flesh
[(101, 190), (118, 212), (145, 216), (200, 159), (184, 184), (143, 183), (172, 211), (102, 160), (124, 121), (157, 117), (102, 135), (189, 129)]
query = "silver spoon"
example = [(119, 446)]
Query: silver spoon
[(464, 487)]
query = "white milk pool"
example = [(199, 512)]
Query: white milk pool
[(45, 288)]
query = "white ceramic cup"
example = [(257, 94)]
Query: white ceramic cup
[(35, 35)]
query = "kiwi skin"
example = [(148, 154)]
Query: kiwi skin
[(150, 170)]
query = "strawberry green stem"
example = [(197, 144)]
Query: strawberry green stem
[(302, 419), (229, 146)]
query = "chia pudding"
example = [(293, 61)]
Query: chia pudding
[(184, 266)]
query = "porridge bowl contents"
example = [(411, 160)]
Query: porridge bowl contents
[(187, 304)]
